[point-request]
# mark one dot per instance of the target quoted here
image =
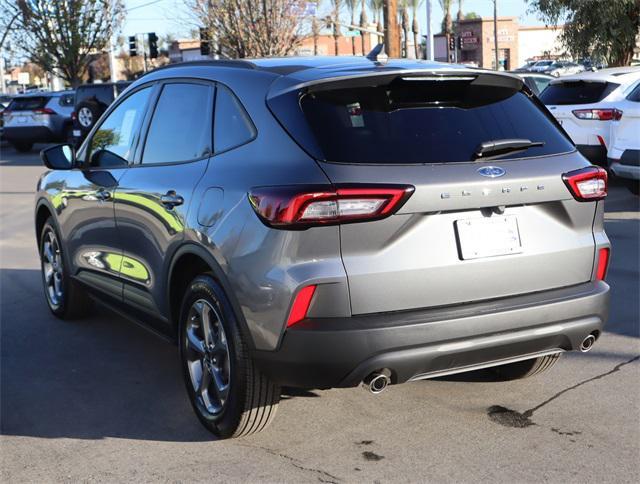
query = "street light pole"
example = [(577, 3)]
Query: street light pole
[(495, 32), (112, 49)]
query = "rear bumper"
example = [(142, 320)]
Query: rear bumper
[(325, 353), (621, 170), (596, 154), (29, 134)]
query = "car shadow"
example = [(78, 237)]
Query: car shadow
[(10, 157), (88, 379)]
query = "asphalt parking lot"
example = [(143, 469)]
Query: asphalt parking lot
[(102, 399)]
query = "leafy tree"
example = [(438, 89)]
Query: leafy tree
[(63, 35), (471, 16), (251, 28), (595, 28), (363, 23), (337, 6)]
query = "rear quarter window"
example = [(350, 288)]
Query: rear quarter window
[(576, 92), (97, 93), (415, 121)]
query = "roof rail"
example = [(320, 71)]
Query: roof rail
[(235, 63)]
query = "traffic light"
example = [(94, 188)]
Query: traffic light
[(452, 42), (153, 45), (460, 43), (133, 46), (205, 45)]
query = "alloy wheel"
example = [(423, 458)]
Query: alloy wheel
[(85, 117), (207, 358), (52, 268)]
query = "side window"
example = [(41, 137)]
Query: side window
[(180, 129), (112, 144), (232, 126), (634, 96), (66, 100)]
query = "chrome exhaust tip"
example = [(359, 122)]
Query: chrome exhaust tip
[(376, 382), (587, 343)]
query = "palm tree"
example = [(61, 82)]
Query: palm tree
[(404, 17), (363, 23), (376, 8), (351, 6), (447, 24), (460, 15), (415, 27), (337, 6)]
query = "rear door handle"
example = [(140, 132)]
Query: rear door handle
[(171, 199)]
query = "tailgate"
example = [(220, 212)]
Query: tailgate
[(420, 257)]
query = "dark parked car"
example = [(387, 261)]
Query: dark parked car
[(90, 102), (326, 222), (40, 117)]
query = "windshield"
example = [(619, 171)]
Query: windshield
[(425, 121)]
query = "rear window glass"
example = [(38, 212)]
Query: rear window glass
[(28, 103), (576, 92), (100, 94), (422, 121)]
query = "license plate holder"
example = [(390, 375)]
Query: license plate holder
[(493, 236)]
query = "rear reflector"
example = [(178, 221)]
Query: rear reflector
[(301, 305), (298, 207), (587, 184), (598, 114), (603, 264)]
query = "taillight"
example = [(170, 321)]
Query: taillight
[(44, 111), (587, 184), (302, 207), (598, 114), (74, 116), (603, 264), (301, 305)]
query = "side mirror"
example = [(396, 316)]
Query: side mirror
[(59, 157)]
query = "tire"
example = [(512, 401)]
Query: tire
[(22, 146), (236, 399), (525, 368), (87, 113), (71, 302)]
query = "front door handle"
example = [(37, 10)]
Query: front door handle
[(102, 194), (171, 199)]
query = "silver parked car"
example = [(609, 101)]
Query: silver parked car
[(326, 222), (39, 117)]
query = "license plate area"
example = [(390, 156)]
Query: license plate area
[(488, 237)]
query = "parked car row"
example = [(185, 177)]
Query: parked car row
[(601, 112), (43, 117), (555, 68)]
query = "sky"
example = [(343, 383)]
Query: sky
[(173, 17)]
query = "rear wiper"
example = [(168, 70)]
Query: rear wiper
[(488, 150)]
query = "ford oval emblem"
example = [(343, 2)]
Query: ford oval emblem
[(491, 171)]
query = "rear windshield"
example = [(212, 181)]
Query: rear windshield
[(576, 92), (426, 121), (28, 103), (102, 94)]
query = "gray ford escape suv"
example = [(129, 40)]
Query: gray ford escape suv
[(317, 223)]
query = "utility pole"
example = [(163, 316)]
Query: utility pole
[(112, 50), (428, 51), (391, 29), (495, 32)]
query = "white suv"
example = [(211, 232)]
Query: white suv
[(624, 144), (585, 104)]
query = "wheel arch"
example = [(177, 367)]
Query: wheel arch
[(188, 262), (42, 213)]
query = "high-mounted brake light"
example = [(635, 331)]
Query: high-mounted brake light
[(598, 114), (302, 207), (587, 184), (603, 263), (301, 305)]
